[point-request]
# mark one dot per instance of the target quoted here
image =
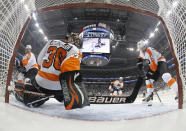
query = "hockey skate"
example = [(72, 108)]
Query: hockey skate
[(176, 97), (148, 100)]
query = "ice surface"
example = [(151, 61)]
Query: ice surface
[(107, 111), (16, 119)]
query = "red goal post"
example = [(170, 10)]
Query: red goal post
[(171, 16)]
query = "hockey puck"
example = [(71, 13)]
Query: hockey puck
[(149, 104)]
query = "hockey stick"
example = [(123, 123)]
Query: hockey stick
[(158, 96), (33, 102), (38, 94), (34, 93)]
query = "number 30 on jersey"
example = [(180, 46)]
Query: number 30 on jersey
[(55, 58)]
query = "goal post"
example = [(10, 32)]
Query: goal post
[(15, 16)]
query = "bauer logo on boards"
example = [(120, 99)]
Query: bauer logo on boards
[(106, 100)]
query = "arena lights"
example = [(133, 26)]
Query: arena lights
[(175, 4), (37, 25), (46, 38), (158, 23), (156, 30), (34, 16), (151, 35), (26, 7), (130, 49), (41, 31)]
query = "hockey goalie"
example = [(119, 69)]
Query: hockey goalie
[(58, 76)]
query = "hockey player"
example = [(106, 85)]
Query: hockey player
[(157, 67), (59, 74), (116, 87), (28, 67)]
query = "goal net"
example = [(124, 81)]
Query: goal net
[(15, 15)]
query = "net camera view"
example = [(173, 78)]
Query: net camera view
[(49, 75), (96, 45)]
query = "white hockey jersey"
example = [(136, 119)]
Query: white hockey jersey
[(55, 58), (116, 85), (29, 61), (153, 56)]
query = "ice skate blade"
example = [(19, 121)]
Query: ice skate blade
[(149, 103)]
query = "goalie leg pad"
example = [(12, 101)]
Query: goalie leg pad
[(75, 95)]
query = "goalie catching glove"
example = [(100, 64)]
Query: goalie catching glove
[(75, 95)]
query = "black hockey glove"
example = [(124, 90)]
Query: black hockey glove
[(21, 69), (149, 75)]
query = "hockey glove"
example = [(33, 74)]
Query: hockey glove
[(149, 75), (21, 69)]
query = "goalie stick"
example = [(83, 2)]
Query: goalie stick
[(93, 99), (34, 93), (33, 102)]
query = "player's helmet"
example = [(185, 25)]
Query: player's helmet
[(28, 47), (141, 45), (121, 78)]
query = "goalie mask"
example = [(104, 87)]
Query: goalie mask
[(74, 39), (121, 79)]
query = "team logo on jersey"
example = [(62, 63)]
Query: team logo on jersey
[(67, 47)]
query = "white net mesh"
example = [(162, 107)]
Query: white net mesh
[(14, 13)]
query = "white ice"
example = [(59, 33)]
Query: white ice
[(116, 117), (107, 111)]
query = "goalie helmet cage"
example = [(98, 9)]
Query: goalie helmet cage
[(16, 14)]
